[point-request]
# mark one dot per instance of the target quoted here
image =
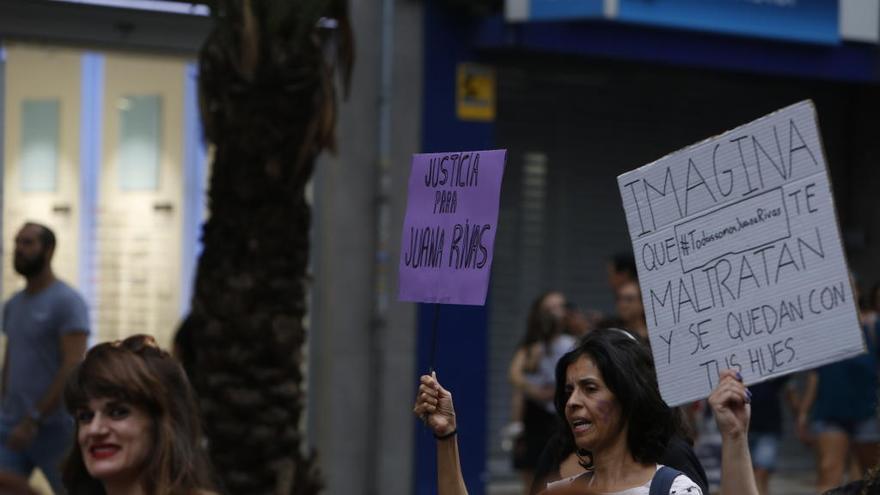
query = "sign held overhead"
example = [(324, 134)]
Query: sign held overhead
[(449, 228), (739, 256)]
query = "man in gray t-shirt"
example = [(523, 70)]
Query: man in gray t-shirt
[(46, 327)]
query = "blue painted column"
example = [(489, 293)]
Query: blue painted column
[(463, 337), (90, 132), (3, 242)]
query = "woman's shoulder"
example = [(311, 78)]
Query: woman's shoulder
[(683, 485), (680, 455)]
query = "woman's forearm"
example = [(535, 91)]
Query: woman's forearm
[(515, 372), (449, 478), (737, 477)]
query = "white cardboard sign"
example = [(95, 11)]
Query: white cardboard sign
[(739, 256)]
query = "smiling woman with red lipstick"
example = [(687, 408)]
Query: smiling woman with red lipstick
[(138, 431)]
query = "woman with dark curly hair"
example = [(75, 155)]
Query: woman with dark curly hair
[(137, 427), (607, 395), (562, 459), (606, 391)]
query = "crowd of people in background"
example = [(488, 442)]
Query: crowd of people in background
[(832, 409)]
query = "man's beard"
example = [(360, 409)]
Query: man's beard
[(29, 267)]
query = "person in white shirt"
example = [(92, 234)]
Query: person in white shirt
[(610, 400)]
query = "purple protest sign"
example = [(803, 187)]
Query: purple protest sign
[(449, 229)]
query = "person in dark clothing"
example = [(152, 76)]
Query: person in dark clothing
[(184, 349), (838, 412), (621, 269), (859, 487), (765, 430)]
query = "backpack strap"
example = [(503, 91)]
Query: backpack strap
[(661, 483)]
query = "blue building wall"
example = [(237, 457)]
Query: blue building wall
[(850, 62), (462, 341)]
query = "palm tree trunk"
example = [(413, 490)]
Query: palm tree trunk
[(268, 104)]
